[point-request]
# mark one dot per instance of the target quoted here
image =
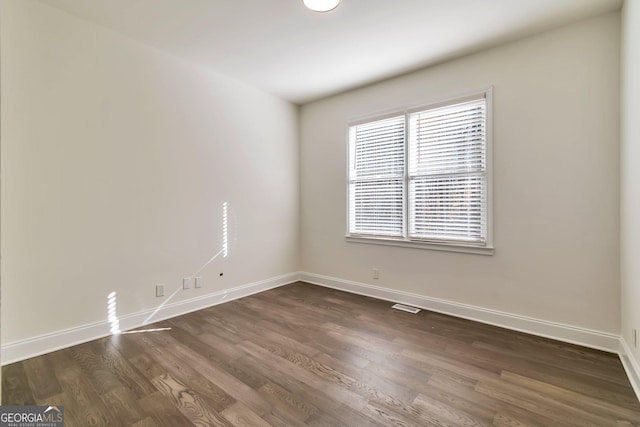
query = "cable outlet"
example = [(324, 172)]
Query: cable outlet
[(159, 290), (376, 273), (197, 282), (186, 283)]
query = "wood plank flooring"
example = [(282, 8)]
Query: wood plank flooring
[(306, 355)]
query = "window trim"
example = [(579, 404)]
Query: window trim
[(485, 249)]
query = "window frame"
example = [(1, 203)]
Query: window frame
[(487, 248)]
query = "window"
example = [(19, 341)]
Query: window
[(422, 177)]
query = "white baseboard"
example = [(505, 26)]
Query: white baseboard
[(24, 349), (631, 366), (558, 331)]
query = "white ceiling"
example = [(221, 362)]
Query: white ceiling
[(299, 55)]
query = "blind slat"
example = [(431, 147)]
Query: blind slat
[(444, 142), (443, 186)]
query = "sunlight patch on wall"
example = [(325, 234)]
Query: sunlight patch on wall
[(224, 251), (225, 231), (112, 316)]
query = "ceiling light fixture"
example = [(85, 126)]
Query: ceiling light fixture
[(321, 5)]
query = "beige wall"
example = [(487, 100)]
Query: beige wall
[(556, 204), (630, 175), (116, 160)]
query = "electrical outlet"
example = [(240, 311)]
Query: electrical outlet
[(376, 273), (186, 283), (197, 282), (159, 290)]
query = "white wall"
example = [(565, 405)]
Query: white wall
[(556, 205), (116, 160), (630, 178)]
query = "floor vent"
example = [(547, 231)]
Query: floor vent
[(406, 308)]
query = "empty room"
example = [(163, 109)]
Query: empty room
[(320, 212)]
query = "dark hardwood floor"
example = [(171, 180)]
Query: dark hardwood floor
[(306, 355)]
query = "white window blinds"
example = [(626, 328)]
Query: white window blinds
[(422, 177), (376, 178), (447, 173)]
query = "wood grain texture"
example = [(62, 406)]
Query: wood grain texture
[(302, 355), (15, 386), (194, 407)]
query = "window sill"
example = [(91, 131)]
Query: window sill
[(480, 250)]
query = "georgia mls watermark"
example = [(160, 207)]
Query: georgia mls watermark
[(31, 416)]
